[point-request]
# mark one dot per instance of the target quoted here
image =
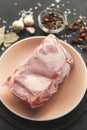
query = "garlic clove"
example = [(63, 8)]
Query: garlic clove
[(18, 25), (28, 20), (30, 30)]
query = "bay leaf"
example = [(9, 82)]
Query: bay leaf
[(10, 38), (2, 31)]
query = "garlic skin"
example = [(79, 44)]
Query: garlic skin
[(28, 20), (18, 25), (30, 30)]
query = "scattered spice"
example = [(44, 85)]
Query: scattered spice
[(83, 35), (52, 20), (78, 25), (2, 48), (57, 1), (83, 20), (70, 27), (82, 30), (77, 22), (75, 27)]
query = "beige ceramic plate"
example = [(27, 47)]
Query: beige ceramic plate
[(70, 93)]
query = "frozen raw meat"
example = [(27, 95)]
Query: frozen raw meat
[(39, 78)]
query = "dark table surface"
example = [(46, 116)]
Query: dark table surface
[(11, 10)]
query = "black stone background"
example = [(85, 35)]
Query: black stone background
[(75, 120)]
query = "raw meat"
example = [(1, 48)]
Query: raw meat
[(39, 78)]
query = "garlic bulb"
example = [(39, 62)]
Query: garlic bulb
[(28, 20), (18, 25)]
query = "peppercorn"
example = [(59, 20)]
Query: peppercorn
[(75, 40), (82, 30), (83, 35), (80, 40), (75, 27), (85, 47), (52, 20), (70, 27), (82, 21), (86, 38), (77, 22)]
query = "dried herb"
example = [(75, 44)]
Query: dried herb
[(2, 31), (10, 38)]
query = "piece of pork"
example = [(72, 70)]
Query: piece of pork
[(39, 78)]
